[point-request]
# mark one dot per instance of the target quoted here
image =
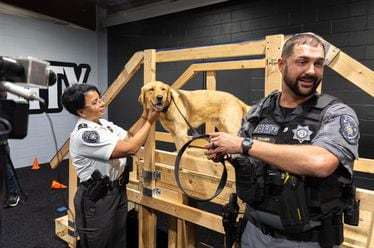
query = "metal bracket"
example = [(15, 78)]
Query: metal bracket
[(72, 232), (151, 175), (151, 192)]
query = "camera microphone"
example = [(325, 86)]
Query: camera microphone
[(27, 71)]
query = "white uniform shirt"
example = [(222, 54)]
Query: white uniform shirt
[(91, 146)]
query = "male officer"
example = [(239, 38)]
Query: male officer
[(298, 149)]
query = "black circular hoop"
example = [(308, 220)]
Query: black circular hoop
[(221, 184)]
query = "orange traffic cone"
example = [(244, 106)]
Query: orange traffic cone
[(57, 185), (35, 165)]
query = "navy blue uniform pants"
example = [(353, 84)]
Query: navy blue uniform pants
[(101, 224)]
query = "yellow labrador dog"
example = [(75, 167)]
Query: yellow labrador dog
[(224, 110)]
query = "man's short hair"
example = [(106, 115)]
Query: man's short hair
[(310, 39)]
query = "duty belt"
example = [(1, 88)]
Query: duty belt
[(327, 235), (118, 183)]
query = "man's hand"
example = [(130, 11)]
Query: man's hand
[(222, 143)]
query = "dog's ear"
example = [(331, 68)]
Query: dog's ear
[(141, 98), (169, 93)]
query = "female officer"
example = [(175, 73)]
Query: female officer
[(98, 149)]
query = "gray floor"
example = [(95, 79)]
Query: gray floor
[(31, 223)]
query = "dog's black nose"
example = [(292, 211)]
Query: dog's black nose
[(159, 97)]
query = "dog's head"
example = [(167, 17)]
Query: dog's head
[(156, 95)]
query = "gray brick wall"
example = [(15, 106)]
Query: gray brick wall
[(348, 25), (24, 37)]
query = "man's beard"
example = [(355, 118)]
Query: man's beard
[(294, 86)]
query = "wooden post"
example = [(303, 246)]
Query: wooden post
[(210, 85), (147, 216), (273, 77), (72, 232)]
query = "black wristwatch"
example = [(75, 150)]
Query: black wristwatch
[(246, 145)]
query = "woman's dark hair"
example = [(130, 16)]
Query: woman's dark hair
[(73, 98)]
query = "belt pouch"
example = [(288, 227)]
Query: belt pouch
[(293, 209), (249, 180), (337, 224)]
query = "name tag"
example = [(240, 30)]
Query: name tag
[(269, 129)]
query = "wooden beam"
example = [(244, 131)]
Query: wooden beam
[(211, 84), (60, 155), (230, 65), (362, 235), (193, 69), (129, 70), (165, 137), (187, 75), (71, 213), (240, 49), (200, 164), (367, 199), (194, 184), (147, 216), (179, 210), (123, 78), (354, 71), (364, 165)]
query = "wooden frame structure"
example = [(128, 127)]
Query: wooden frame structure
[(199, 175)]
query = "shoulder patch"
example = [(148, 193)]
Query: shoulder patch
[(91, 137), (349, 129), (82, 125)]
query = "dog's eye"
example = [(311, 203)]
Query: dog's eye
[(163, 89), (151, 89)]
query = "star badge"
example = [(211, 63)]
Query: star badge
[(301, 133)]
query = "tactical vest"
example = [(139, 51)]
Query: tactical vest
[(297, 203)]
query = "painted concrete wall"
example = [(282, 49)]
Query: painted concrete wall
[(76, 55)]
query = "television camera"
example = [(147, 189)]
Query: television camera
[(16, 74)]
